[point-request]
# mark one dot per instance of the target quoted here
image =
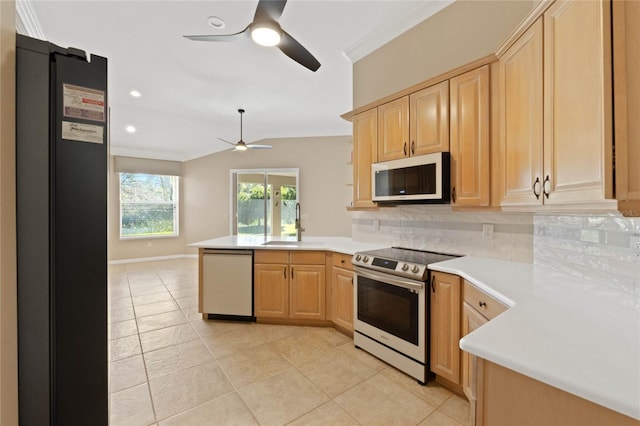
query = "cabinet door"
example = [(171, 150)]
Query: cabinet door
[(271, 292), (470, 161), (521, 108), (577, 102), (445, 326), (626, 66), (343, 298), (393, 129), (471, 320), (307, 292), (429, 119), (365, 152)]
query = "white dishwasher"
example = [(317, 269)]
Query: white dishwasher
[(227, 284)]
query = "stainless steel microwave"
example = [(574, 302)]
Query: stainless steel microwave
[(420, 179)]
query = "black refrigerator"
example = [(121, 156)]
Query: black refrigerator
[(61, 198)]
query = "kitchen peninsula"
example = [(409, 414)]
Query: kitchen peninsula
[(307, 282)]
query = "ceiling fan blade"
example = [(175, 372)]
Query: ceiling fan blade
[(269, 10), (290, 47), (218, 37), (230, 143), (259, 146)]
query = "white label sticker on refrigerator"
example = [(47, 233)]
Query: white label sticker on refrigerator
[(82, 132), (82, 102)]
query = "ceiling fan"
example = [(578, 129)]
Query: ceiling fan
[(241, 145), (266, 31)]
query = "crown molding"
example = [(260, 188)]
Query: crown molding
[(27, 22), (390, 30)]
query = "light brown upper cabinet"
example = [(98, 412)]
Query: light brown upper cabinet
[(578, 130), (429, 120), (566, 57), (626, 66), (470, 141), (393, 129), (521, 125), (365, 138), (416, 124)]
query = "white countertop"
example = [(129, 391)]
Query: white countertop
[(560, 330), (337, 244)]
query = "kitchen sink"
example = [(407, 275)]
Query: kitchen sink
[(291, 243)]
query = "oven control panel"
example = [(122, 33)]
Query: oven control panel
[(406, 269)]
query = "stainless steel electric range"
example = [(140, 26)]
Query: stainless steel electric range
[(391, 305)]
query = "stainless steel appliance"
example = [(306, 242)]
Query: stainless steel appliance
[(419, 179), (391, 305), (61, 195)]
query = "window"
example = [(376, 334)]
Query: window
[(148, 205)]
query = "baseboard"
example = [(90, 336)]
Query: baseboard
[(153, 259)]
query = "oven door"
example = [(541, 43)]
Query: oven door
[(391, 310)]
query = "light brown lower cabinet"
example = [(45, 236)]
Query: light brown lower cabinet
[(445, 326), (342, 292), (289, 284), (505, 397)]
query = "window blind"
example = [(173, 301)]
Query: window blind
[(147, 166)]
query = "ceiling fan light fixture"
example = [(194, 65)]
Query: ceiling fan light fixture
[(266, 34), (240, 146)]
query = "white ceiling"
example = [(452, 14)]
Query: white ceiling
[(191, 90)]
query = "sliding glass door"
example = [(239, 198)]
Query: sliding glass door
[(264, 201)]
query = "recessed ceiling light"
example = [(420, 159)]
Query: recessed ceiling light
[(131, 129), (216, 22), (135, 93)]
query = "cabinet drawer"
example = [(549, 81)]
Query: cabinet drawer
[(481, 302), (271, 256), (342, 261), (307, 258)]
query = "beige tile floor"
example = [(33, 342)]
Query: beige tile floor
[(170, 367)]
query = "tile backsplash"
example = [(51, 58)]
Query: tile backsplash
[(437, 228), (594, 246)]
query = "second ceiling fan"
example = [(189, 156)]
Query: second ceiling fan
[(266, 31), (242, 145)]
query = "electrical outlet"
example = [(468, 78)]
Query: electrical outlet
[(634, 243), (487, 231)]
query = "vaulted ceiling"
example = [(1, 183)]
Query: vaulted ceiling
[(191, 91)]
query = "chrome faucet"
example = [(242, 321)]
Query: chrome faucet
[(299, 227)]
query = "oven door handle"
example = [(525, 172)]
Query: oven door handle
[(388, 279)]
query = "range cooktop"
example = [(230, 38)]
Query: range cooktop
[(405, 262)]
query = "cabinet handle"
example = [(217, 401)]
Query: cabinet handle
[(546, 184), (405, 149), (292, 272), (536, 188), (482, 304), (453, 195), (342, 261), (413, 147), (285, 272), (433, 287), (352, 281)]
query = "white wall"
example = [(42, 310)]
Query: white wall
[(324, 173), (461, 33)]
